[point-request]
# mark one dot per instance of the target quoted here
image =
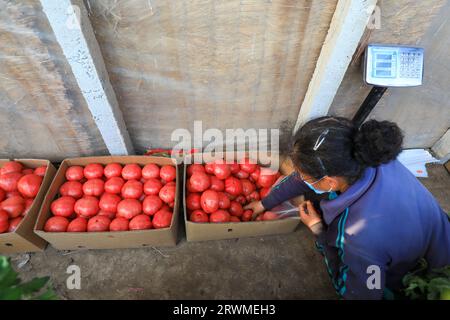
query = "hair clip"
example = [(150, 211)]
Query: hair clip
[(320, 139)]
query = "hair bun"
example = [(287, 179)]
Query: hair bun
[(377, 142)]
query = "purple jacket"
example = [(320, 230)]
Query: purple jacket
[(386, 219)]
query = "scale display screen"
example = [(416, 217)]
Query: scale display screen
[(393, 66)]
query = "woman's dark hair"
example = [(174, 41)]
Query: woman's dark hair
[(333, 146)]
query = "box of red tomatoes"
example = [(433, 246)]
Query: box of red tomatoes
[(218, 188), (112, 202), (23, 184)]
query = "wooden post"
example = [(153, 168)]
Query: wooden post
[(73, 31), (346, 29)]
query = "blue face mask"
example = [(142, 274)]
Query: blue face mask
[(310, 185)]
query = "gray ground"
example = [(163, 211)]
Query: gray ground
[(276, 267)]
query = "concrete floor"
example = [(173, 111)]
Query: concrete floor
[(275, 267)]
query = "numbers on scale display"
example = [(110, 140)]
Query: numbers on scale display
[(395, 66)]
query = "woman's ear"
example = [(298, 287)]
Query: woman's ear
[(333, 182)]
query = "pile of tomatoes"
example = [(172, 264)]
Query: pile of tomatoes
[(218, 191), (98, 198), (18, 188)]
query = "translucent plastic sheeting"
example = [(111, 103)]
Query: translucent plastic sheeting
[(42, 112), (232, 64)]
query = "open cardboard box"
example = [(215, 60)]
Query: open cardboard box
[(23, 239), (218, 231), (107, 240)]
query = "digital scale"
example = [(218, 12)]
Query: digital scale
[(389, 66)]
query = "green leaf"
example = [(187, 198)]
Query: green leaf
[(34, 285), (47, 295), (8, 277), (10, 294)]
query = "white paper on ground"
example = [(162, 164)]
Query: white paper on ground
[(415, 160)]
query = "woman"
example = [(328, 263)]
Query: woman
[(378, 220)]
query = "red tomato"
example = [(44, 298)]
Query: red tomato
[(14, 223), (234, 219), (108, 202), (74, 173), (222, 170), (242, 175), (109, 215), (233, 186), (93, 171), (40, 171), (189, 188), (162, 219), (140, 222), (119, 224), (11, 166), (199, 182), (219, 216), (255, 174), (230, 196), (2, 195), (77, 225), (150, 171), (248, 166), (167, 193), (129, 208), (112, 170), (199, 216), (98, 224), (235, 168), (209, 201), (254, 196), (247, 187), (209, 168), (247, 215), (168, 173), (29, 185), (8, 181), (266, 178), (27, 171), (13, 194), (194, 168), (152, 186), (72, 189), (114, 185), (15, 206), (165, 206), (151, 205), (87, 206), (4, 221), (56, 224), (217, 184), (132, 189), (241, 199), (224, 201), (193, 201), (94, 187), (268, 215), (28, 204), (64, 206), (263, 192), (236, 209), (132, 172)]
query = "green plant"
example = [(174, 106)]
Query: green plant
[(12, 287), (431, 285)]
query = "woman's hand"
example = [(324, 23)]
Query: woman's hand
[(256, 207), (308, 214)]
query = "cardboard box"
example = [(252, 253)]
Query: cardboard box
[(107, 240), (218, 231), (23, 239)]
